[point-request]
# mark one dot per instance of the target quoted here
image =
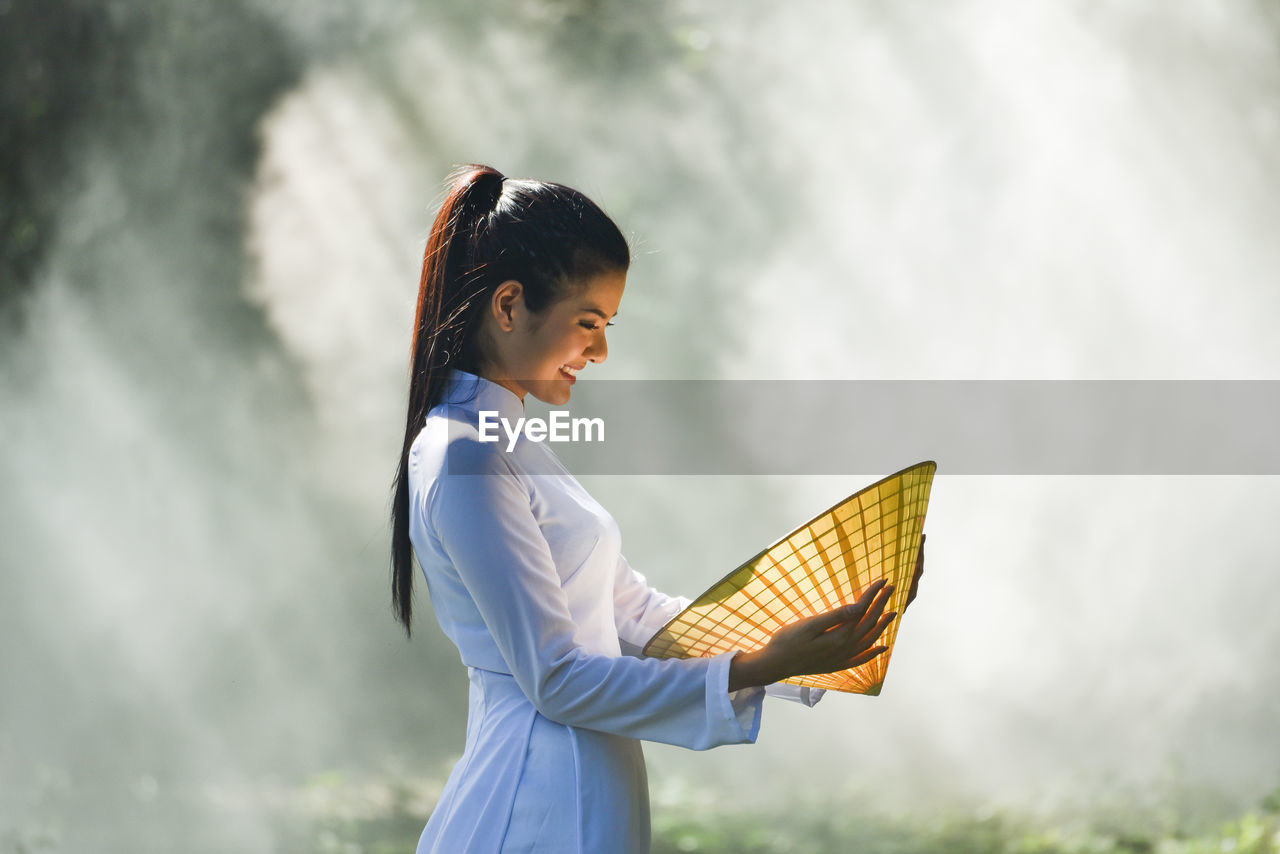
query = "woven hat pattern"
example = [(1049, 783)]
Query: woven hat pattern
[(821, 565)]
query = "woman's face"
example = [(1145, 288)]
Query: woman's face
[(541, 353)]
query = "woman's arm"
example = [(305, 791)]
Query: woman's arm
[(485, 525), (640, 611)]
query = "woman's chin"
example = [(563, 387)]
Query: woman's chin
[(551, 393)]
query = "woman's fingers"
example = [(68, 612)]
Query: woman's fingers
[(915, 576), (862, 636), (861, 655), (839, 639), (865, 623), (863, 658), (824, 622), (879, 627), (873, 613)]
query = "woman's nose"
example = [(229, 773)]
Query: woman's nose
[(599, 350)]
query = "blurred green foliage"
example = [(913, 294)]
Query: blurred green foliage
[(335, 812), (713, 826)]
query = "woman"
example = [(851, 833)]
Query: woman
[(519, 281)]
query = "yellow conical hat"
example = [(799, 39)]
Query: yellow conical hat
[(823, 564)]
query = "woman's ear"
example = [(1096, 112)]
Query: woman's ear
[(506, 302)]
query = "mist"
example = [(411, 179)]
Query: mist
[(204, 372)]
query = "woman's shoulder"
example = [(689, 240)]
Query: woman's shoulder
[(449, 446)]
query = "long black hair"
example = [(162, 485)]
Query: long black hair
[(546, 236)]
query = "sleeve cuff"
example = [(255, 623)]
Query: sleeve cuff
[(738, 712), (802, 694)]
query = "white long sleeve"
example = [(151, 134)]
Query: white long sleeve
[(521, 571), (511, 576), (641, 611)]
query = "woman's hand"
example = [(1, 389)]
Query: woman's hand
[(915, 578), (827, 643)]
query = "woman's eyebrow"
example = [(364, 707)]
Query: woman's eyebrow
[(597, 311)]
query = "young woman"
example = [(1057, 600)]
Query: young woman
[(519, 281)]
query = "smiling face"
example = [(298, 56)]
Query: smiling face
[(541, 353)]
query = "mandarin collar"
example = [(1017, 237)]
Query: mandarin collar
[(475, 393)]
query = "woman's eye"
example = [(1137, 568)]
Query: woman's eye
[(586, 324)]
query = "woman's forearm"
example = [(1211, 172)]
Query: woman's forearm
[(753, 669)]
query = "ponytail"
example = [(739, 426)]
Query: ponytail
[(489, 229)]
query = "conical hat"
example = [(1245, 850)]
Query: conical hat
[(821, 565)]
